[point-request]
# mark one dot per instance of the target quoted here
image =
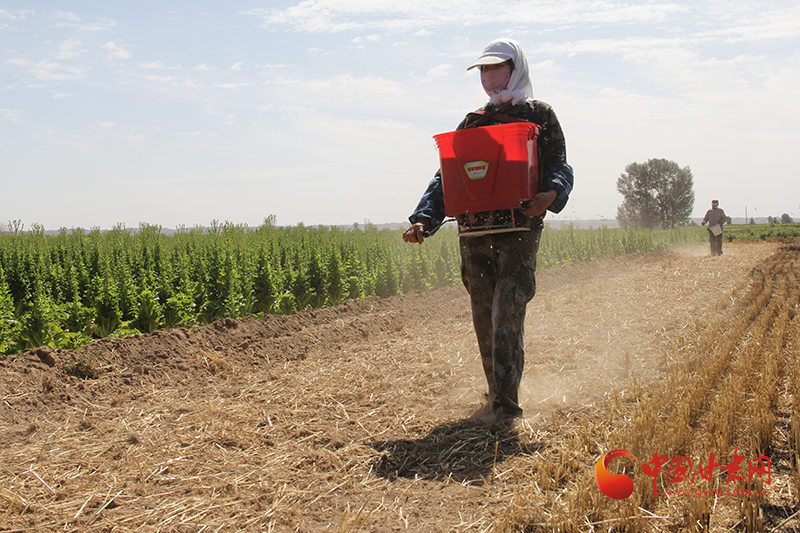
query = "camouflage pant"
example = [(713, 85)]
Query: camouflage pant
[(499, 274)]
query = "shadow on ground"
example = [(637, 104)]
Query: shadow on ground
[(464, 451)]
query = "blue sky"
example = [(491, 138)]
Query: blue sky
[(323, 111)]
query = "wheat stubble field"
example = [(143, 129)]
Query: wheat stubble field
[(360, 417)]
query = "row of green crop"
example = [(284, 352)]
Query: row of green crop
[(752, 232), (63, 290), (568, 245)]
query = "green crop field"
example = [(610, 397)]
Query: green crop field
[(752, 232), (64, 290)]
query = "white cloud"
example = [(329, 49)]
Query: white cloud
[(16, 15), (67, 15), (116, 51), (13, 115), (237, 66), (161, 79), (203, 67), (106, 124), (74, 21), (231, 86), (441, 70), (69, 49), (47, 70), (757, 25), (369, 38), (50, 70), (157, 64), (58, 96), (316, 16)]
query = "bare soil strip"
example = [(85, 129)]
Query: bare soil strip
[(357, 418)]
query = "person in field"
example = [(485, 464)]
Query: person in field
[(715, 218), (498, 269)]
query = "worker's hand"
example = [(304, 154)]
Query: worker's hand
[(703, 223), (416, 232), (537, 205)]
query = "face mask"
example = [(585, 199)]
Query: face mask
[(496, 80)]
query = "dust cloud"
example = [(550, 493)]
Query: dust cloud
[(603, 328)]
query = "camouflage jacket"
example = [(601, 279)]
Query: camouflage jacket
[(557, 173)]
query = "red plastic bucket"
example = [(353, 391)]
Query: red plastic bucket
[(488, 168)]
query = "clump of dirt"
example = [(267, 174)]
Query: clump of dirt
[(180, 355)]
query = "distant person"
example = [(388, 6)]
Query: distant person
[(498, 269), (715, 218)]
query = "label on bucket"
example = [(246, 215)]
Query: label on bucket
[(476, 170)]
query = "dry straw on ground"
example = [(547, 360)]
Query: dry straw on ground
[(359, 418)]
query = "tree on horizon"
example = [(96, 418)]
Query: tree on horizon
[(656, 193)]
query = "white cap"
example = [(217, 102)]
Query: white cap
[(494, 53)]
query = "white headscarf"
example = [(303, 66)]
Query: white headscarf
[(519, 87)]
